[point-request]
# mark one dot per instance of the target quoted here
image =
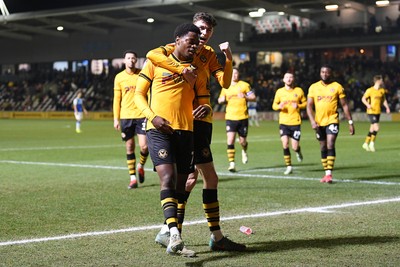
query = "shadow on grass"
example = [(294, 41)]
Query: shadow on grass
[(275, 246)]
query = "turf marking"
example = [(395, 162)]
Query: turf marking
[(54, 148), (230, 174), (238, 217)]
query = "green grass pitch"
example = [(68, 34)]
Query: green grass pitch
[(64, 200)]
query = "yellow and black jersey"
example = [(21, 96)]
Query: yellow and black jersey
[(236, 105), (375, 98), (326, 98), (124, 90), (171, 97), (206, 59), (289, 115)]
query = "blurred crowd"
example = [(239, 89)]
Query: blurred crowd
[(51, 90)]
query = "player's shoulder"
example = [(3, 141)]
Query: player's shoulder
[(207, 49), (316, 84), (298, 89), (119, 74), (244, 83), (206, 53)]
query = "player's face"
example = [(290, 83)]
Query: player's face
[(325, 74), (235, 75), (130, 60), (206, 31), (288, 79), (187, 45)]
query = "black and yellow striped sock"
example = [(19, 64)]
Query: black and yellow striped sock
[(231, 153), (169, 205), (324, 160), (143, 158), (287, 157), (131, 162), (331, 156), (368, 138), (373, 136), (211, 208), (182, 200)]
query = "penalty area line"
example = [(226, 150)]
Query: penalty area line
[(151, 227)]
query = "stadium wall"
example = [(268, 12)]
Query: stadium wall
[(264, 116)]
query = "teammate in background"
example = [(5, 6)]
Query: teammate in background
[(325, 95), (170, 117), (253, 115), (373, 99), (128, 118), (236, 116), (289, 100), (79, 110)]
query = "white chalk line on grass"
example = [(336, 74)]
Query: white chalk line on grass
[(230, 174), (63, 164), (238, 217), (54, 148)]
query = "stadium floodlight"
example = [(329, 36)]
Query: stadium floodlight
[(331, 7), (382, 3)]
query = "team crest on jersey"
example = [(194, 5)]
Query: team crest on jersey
[(162, 153), (203, 58), (332, 90), (295, 95)]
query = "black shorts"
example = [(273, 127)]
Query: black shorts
[(293, 131), (176, 148), (130, 127), (374, 118), (322, 131), (241, 127), (202, 141)]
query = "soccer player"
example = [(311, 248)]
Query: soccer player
[(324, 95), (236, 116), (169, 129), (253, 115), (289, 100), (128, 118), (79, 110), (203, 159), (373, 99)]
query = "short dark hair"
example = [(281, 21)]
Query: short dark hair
[(377, 78), (328, 66), (185, 28), (208, 18), (130, 52)]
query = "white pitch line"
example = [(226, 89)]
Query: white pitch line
[(63, 164), (238, 217), (237, 174), (290, 177), (54, 148)]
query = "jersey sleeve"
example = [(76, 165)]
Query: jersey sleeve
[(277, 100), (341, 92), (117, 98), (303, 99), (142, 87), (159, 57)]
